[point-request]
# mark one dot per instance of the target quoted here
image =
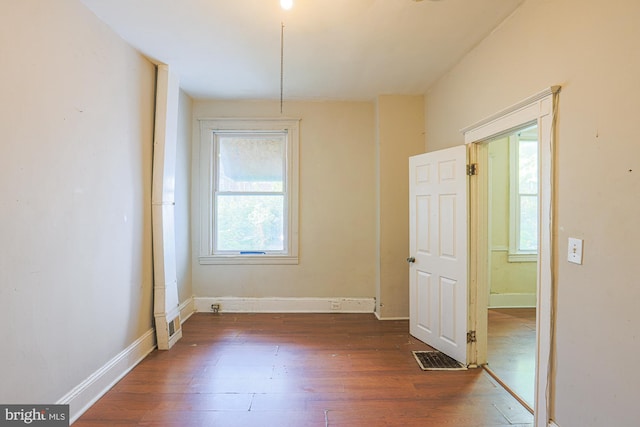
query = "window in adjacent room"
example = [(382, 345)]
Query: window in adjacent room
[(251, 173), (523, 235)]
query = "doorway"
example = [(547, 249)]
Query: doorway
[(540, 108), (512, 179), (433, 293)]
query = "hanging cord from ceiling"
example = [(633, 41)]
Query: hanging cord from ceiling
[(281, 65)]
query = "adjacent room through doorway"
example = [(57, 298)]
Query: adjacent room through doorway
[(513, 253)]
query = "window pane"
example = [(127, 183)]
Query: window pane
[(250, 223), (528, 240), (528, 167), (251, 162)]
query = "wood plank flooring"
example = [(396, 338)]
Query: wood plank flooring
[(512, 349), (300, 370)]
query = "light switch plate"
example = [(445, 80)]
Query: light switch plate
[(575, 251)]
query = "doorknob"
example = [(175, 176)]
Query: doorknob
[(411, 260)]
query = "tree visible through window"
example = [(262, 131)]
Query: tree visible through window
[(248, 195)]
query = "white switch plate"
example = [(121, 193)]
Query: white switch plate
[(575, 251)]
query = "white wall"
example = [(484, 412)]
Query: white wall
[(76, 121), (337, 206), (591, 48)]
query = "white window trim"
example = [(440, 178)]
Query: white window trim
[(515, 254), (206, 188)]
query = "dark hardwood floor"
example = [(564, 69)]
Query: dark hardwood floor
[(512, 349), (300, 370)]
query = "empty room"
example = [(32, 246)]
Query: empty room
[(254, 213)]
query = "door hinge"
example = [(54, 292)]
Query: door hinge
[(472, 169), (471, 337)]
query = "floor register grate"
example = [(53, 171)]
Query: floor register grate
[(437, 361)]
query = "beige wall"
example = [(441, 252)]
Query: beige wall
[(506, 277), (76, 122), (591, 48), (400, 126), (337, 206), (511, 277)]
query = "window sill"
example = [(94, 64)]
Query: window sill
[(247, 260)]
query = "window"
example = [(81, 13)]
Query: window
[(248, 197), (523, 235)]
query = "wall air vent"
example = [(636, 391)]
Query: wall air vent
[(174, 325)]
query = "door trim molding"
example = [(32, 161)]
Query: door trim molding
[(483, 129), (540, 108)]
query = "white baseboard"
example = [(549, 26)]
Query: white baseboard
[(553, 424), (512, 300), (390, 318), (286, 305), (187, 308), (97, 384)]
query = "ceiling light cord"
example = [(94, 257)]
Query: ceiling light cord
[(281, 65)]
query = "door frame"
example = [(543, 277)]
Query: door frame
[(540, 108)]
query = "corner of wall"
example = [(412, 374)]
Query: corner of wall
[(85, 394)]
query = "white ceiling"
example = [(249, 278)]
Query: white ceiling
[(333, 49)]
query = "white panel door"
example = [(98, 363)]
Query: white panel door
[(438, 244)]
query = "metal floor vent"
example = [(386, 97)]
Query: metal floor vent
[(437, 361)]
